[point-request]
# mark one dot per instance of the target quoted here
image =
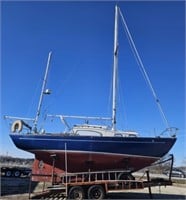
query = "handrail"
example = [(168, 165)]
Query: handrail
[(172, 131)]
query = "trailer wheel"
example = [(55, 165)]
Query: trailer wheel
[(76, 192), (8, 173), (96, 192), (125, 176), (17, 173)]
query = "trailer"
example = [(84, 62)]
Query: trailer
[(15, 171), (96, 185)]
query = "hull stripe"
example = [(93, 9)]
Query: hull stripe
[(97, 141)]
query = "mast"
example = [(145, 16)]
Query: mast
[(42, 93), (115, 70)]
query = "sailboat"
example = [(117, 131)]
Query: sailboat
[(89, 147)]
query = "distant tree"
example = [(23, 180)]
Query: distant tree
[(13, 161)]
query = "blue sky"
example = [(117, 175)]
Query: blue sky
[(80, 35)]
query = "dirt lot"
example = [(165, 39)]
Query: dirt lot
[(169, 192), (17, 189)]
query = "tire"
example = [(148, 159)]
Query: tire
[(8, 173), (125, 176), (182, 176), (96, 192), (76, 192), (17, 173)]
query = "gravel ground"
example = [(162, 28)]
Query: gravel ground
[(17, 189), (169, 192)]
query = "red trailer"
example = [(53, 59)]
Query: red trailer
[(96, 185)]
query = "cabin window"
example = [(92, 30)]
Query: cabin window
[(118, 135), (88, 133)]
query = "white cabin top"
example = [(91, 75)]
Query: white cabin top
[(96, 130)]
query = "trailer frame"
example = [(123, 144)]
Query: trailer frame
[(96, 185)]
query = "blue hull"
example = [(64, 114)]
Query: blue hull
[(95, 153), (148, 147)]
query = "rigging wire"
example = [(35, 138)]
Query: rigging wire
[(142, 69)]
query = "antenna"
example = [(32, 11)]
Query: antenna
[(43, 91)]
